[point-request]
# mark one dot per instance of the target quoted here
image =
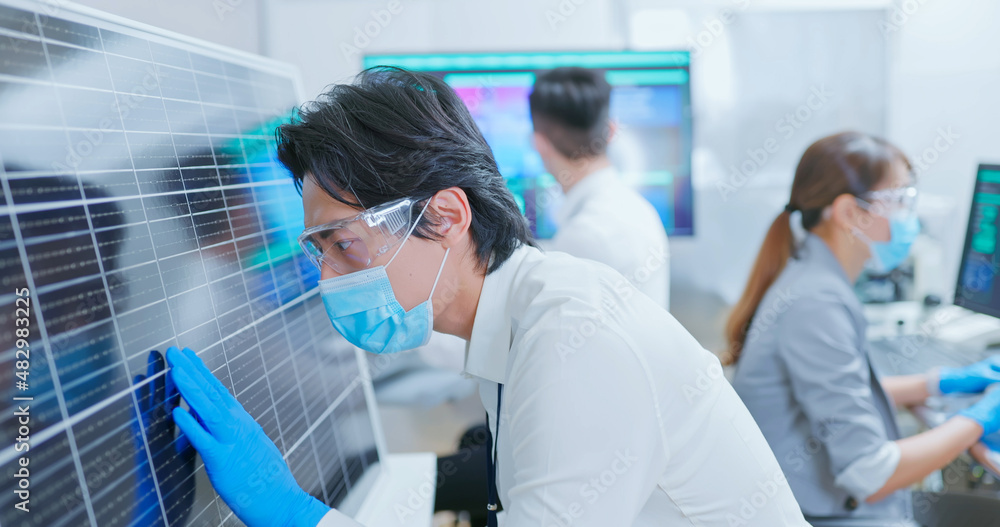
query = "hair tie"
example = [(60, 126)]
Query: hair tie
[(790, 208)]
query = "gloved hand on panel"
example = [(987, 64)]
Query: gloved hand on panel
[(243, 464), (173, 459)]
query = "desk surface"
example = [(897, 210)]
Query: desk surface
[(909, 353), (404, 496)]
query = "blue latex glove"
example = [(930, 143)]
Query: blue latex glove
[(992, 441), (242, 463), (973, 378), (173, 460), (986, 412)]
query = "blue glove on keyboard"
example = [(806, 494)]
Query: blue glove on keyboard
[(973, 378), (986, 412), (992, 441), (243, 464)]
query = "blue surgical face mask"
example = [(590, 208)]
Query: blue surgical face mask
[(364, 309), (886, 256)]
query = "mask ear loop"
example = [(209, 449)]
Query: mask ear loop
[(440, 270), (865, 239), (407, 237), (446, 251)]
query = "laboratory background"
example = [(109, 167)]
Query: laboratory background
[(921, 74), (715, 102)]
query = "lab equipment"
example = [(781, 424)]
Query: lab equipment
[(650, 102), (968, 328), (243, 464), (141, 208)]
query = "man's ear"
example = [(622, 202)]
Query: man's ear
[(454, 215), (542, 144)]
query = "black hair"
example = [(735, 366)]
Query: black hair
[(569, 106), (394, 133)]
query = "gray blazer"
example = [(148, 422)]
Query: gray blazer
[(805, 376)]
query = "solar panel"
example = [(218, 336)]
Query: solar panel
[(143, 207)]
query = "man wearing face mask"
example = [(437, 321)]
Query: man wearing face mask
[(603, 409), (798, 340)]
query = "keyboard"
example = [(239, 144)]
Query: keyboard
[(911, 354)]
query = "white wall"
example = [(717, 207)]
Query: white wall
[(945, 75), (326, 39), (232, 23), (749, 72), (774, 79), (907, 69)]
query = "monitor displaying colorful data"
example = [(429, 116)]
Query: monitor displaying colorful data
[(650, 102), (978, 287), (142, 207)]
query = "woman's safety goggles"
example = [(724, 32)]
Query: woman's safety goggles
[(888, 201), (352, 244)]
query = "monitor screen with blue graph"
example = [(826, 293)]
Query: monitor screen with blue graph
[(978, 287), (650, 102)]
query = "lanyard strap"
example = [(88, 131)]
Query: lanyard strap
[(491, 467)]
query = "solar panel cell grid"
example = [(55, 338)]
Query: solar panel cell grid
[(143, 208)]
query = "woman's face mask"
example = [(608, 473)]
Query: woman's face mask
[(886, 256), (898, 207)]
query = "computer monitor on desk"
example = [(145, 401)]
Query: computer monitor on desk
[(960, 334), (978, 287)]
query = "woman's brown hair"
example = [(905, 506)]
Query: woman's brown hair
[(845, 163)]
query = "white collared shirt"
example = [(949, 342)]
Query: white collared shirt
[(612, 415), (605, 220)]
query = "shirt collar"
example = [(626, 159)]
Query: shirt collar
[(488, 349), (818, 251), (590, 185)]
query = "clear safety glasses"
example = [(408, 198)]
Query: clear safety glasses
[(352, 244), (887, 201)]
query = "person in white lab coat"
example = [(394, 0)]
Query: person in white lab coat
[(602, 218), (604, 409)]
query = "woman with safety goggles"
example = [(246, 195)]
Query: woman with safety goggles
[(602, 409), (797, 337)]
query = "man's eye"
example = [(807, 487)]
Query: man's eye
[(342, 245)]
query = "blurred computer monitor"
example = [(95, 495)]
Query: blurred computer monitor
[(978, 288), (650, 101)]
